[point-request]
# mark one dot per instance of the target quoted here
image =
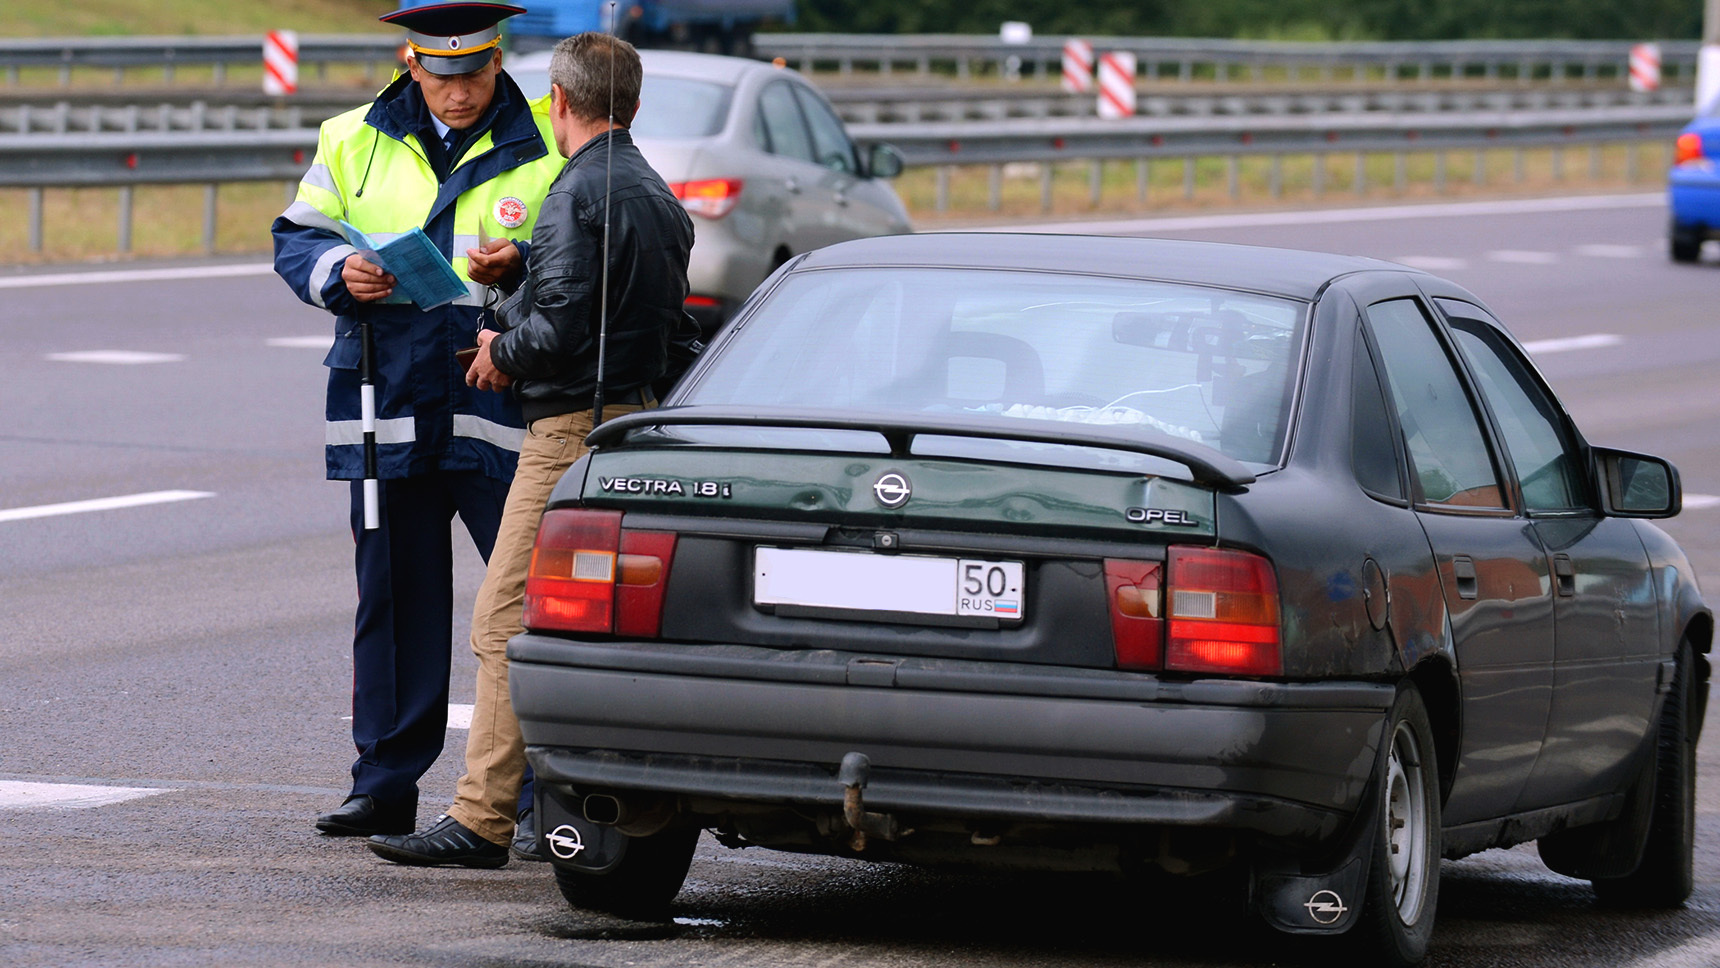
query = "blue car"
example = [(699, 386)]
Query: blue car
[(1693, 186)]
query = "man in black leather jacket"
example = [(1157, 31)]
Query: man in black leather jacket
[(548, 354)]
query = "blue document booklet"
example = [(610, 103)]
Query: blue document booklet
[(421, 272)]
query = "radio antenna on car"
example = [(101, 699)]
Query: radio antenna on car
[(603, 271)]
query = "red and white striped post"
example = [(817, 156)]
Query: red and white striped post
[(1645, 68), (1077, 66), (281, 62), (1116, 85)]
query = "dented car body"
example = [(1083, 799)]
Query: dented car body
[(1113, 554)]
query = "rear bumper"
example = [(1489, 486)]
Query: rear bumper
[(952, 738), (1693, 196)]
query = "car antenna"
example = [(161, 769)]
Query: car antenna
[(603, 273)]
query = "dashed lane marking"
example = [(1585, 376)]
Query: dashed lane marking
[(20, 795), (116, 357), (1701, 502), (303, 342), (137, 275), (459, 715), (1565, 344), (1523, 257), (1610, 251), (100, 504), (1433, 263)]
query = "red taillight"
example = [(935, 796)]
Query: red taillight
[(1137, 618), (700, 302), (1223, 613), (1687, 148), (644, 576), (710, 197), (589, 575)]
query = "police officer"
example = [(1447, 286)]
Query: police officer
[(455, 148)]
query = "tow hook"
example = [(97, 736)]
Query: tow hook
[(854, 772)]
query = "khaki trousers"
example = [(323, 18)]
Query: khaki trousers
[(485, 799)]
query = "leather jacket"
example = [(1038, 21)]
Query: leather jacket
[(550, 323)]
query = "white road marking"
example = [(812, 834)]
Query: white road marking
[(459, 715), (1607, 251), (1699, 502), (137, 275), (18, 795), (1540, 347), (1523, 257), (117, 357), (303, 342), (1383, 213), (1433, 263), (100, 504)]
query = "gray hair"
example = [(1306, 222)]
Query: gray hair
[(598, 75)]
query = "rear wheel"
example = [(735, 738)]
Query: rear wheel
[(1396, 922), (1664, 877), (642, 885), (1685, 243)]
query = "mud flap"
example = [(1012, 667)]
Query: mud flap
[(1318, 896), (573, 841)]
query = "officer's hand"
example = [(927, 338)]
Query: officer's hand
[(483, 373), (365, 280), (497, 263)]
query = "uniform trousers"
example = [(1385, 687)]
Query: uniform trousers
[(403, 636), (495, 752)]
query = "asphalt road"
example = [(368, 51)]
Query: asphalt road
[(186, 658)]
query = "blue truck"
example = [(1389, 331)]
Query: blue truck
[(713, 26)]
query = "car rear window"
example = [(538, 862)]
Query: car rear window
[(1207, 365), (677, 107)]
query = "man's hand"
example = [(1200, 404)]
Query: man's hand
[(497, 263), (365, 280), (483, 373)]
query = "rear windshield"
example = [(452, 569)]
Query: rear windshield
[(669, 107), (1207, 365), (675, 107)]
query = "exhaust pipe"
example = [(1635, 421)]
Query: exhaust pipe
[(631, 816)]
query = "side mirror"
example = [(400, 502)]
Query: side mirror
[(1637, 485), (883, 161)]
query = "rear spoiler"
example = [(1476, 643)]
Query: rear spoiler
[(1207, 465)]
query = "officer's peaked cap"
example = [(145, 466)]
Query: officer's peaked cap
[(453, 38)]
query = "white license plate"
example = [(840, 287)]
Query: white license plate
[(840, 581)]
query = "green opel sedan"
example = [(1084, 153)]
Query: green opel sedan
[(1116, 554)]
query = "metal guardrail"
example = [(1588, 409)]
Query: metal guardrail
[(375, 52), (1187, 58), (866, 105), (962, 54), (232, 111), (128, 159)]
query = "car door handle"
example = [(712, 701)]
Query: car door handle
[(1565, 575), (1463, 567)]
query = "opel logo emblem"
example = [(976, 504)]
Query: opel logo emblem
[(1325, 907), (892, 490), (565, 842)]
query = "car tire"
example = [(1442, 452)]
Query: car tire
[(1402, 891), (641, 886), (1664, 878), (1685, 243)]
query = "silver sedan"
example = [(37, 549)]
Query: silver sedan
[(759, 158)]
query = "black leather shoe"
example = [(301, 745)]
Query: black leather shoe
[(447, 842), (525, 844), (362, 816)]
